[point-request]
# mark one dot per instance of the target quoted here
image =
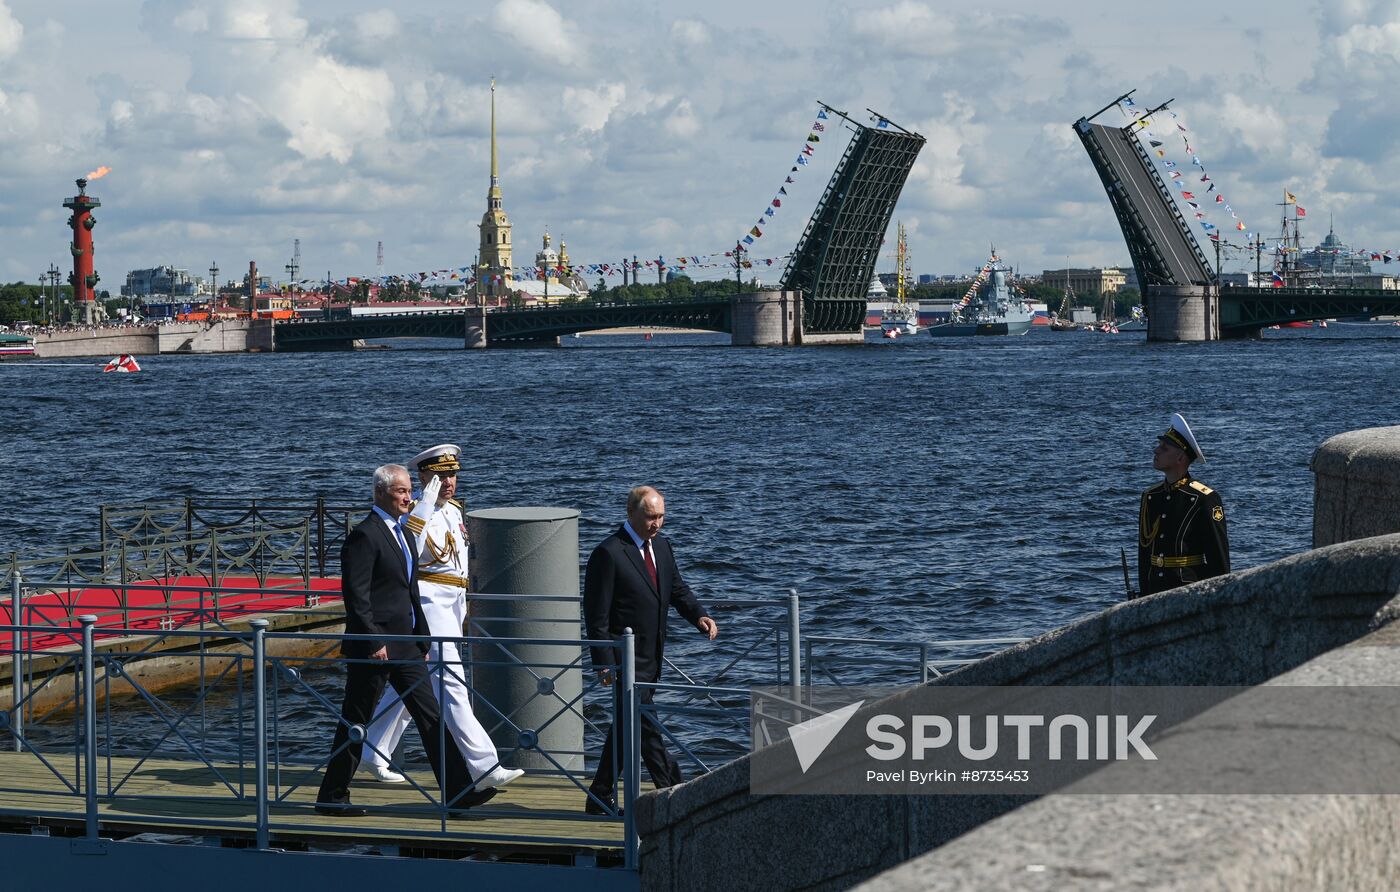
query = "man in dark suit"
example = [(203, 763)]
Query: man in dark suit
[(631, 582), (381, 598)]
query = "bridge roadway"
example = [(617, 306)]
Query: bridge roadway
[(504, 326), (1243, 311), (1152, 224)]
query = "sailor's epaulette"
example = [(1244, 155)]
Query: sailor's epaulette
[(1201, 488), (455, 502)]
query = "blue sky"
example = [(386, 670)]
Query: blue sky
[(235, 126)]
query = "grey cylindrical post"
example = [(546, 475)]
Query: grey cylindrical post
[(632, 768), (17, 662), (260, 725), (794, 641), (923, 663), (89, 727), (528, 551)]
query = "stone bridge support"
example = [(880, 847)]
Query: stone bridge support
[(1182, 313), (767, 319)]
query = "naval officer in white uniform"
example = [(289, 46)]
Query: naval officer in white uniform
[(440, 538)]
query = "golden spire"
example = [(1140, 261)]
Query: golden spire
[(494, 196)]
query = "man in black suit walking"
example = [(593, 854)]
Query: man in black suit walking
[(381, 598), (631, 582)]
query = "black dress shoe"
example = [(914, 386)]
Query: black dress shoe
[(591, 807), (473, 799), (340, 810)]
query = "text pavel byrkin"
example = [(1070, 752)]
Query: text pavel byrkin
[(1098, 738)]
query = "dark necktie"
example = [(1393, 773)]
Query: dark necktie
[(651, 564), (408, 568)]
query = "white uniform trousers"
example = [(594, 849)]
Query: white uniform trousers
[(444, 608)]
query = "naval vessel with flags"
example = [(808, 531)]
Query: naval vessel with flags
[(991, 306)]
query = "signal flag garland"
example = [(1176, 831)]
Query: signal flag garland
[(804, 158)]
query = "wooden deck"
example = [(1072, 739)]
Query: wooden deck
[(534, 815)]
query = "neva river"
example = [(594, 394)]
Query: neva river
[(913, 489)]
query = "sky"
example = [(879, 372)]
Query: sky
[(233, 127)]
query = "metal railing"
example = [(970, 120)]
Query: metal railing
[(190, 519), (249, 758), (935, 658)]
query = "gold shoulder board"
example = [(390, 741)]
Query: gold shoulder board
[(454, 502), (1201, 488)]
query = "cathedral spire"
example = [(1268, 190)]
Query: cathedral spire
[(494, 196)]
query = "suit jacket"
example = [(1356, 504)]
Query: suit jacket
[(378, 592), (1180, 524), (618, 594)]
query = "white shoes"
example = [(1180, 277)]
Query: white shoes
[(385, 775), (499, 777)]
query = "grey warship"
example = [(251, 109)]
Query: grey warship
[(990, 307)]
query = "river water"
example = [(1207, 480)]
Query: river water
[(913, 489)]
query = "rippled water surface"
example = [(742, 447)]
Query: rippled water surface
[(915, 489)]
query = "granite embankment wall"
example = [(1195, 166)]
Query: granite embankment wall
[(1322, 614), (1357, 489), (230, 336)]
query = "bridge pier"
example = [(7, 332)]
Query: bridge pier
[(1183, 313), (475, 338), (766, 319)]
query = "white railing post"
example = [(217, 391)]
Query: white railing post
[(89, 727), (632, 767), (260, 727), (17, 660), (794, 641)]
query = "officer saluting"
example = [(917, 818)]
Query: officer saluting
[(1181, 522)]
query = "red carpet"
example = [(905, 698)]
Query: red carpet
[(151, 605)]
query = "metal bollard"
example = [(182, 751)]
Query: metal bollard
[(17, 663), (632, 769), (524, 552), (260, 726), (89, 727)]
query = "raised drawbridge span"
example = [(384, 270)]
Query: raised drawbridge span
[(831, 269), (1182, 294)]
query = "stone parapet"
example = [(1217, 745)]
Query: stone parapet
[(1357, 486), (1241, 629)]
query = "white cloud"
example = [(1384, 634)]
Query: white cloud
[(11, 32), (906, 23), (330, 108), (689, 32), (381, 24), (539, 30), (262, 20), (192, 21)]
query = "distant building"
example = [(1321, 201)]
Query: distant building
[(160, 281), (1332, 259), (1086, 281), (927, 278)]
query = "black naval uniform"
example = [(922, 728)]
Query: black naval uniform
[(1181, 536)]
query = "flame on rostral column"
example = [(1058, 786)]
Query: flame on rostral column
[(99, 173)]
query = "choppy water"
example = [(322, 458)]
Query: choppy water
[(913, 489)]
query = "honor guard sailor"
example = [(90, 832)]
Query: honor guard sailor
[(439, 534), (1181, 521)]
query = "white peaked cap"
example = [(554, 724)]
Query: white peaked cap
[(427, 455), (1180, 434)]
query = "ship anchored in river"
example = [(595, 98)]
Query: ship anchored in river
[(992, 306), (900, 317)]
